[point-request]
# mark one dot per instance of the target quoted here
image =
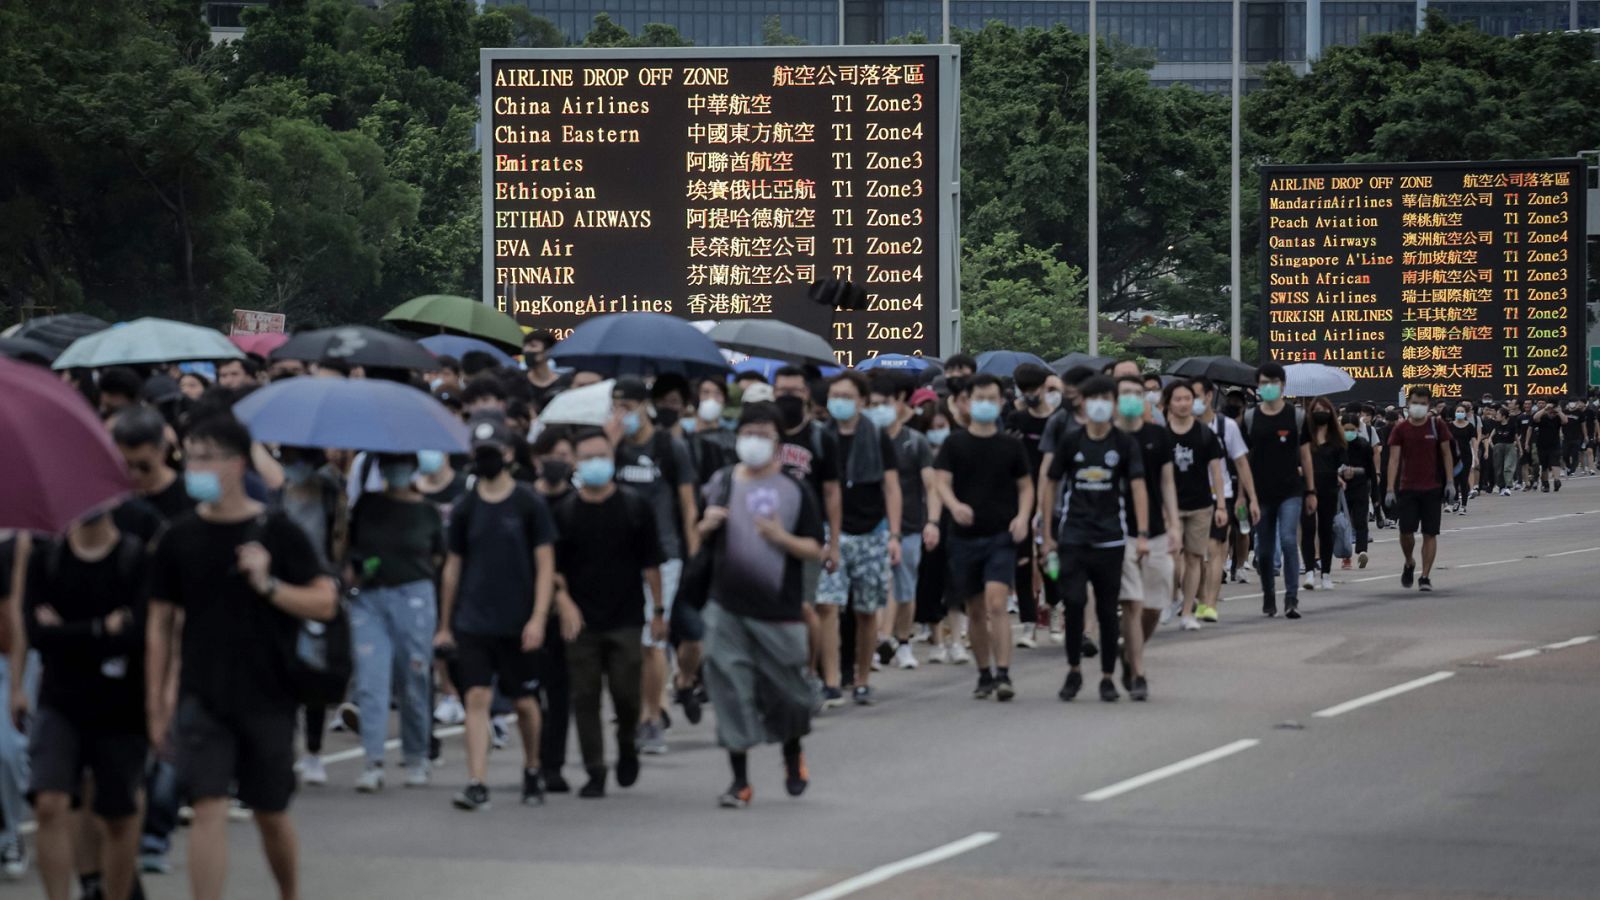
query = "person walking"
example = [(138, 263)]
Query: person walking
[(1419, 483), (890, 409), (1146, 575), (1357, 476), (1199, 476), (1329, 452), (1464, 431), (1280, 461)]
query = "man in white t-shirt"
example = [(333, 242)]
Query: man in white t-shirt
[(1238, 458)]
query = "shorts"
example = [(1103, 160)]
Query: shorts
[(1149, 582), (1196, 526), (254, 751), (671, 573), (485, 660), (1220, 535), (61, 750), (977, 561), (905, 574), (862, 579), (1425, 508)]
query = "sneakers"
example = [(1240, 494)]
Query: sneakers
[(985, 688), (371, 780), (886, 648), (685, 697), (1190, 623), (939, 655), (1090, 651), (350, 715), (1292, 612), (796, 777), (1558, 485), (312, 771), (1311, 580), (1140, 690), (627, 771), (1172, 610), (959, 655), (1108, 691), (1028, 638), (1326, 583), (1424, 584), (418, 776), (1505, 492), (737, 796), (1269, 606), (1058, 625), (1071, 687), (473, 798), (1004, 690), (1205, 613), (862, 695), (652, 740), (14, 857), (554, 781), (449, 711), (152, 862), (1407, 576), (1346, 565), (904, 658), (1361, 557), (832, 698), (595, 788), (532, 788), (499, 732)]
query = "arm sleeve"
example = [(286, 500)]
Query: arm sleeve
[(808, 524), (293, 558), (645, 530), (456, 533), (1233, 439), (1133, 456), (942, 460), (541, 527), (1017, 467), (683, 462), (162, 579), (891, 460)]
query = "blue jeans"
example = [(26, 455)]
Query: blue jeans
[(393, 632), (14, 749), (1283, 520)]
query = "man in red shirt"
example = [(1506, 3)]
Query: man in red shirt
[(1420, 458)]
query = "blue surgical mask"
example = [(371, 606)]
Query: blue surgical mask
[(1199, 407), (985, 411), (1270, 392), (1349, 435), (1461, 416), (203, 487), (596, 472), (882, 416), (841, 409), (430, 461), (1098, 409), (398, 475), (630, 424), (688, 424), (1130, 406), (937, 436)]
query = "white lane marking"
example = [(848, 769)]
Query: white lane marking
[(1520, 654), (391, 744), (1570, 552), (1574, 642), (1495, 562), (884, 873), (1177, 768), (1384, 694)]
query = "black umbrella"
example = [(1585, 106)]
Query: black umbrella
[(1220, 369), (771, 339), (358, 345), (60, 331), (1075, 359), (29, 350)]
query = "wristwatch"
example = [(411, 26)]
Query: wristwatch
[(661, 610), (894, 536), (272, 588), (1144, 534)]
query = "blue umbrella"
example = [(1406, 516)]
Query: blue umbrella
[(899, 362), (640, 344), (351, 414), (768, 368), (1003, 362), (458, 346)]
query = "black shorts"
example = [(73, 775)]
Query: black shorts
[(253, 750), (1220, 535), (498, 661), (977, 561), (60, 751), (687, 624), (1424, 508)]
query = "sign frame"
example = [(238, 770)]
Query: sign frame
[(946, 56)]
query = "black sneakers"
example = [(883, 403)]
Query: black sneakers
[(737, 796), (473, 798), (1090, 651), (1407, 575), (1003, 690), (690, 701), (532, 788), (1291, 611), (1140, 690), (1073, 685), (1108, 691), (555, 782), (795, 775), (985, 687), (627, 769), (596, 788), (1425, 584)]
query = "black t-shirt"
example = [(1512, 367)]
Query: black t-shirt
[(394, 542), (711, 450), (1275, 454), (864, 506), (1030, 429), (1502, 432), (496, 542), (138, 517), (984, 473), (1095, 475), (234, 641), (1576, 427), (1462, 433), (912, 454), (603, 551), (93, 678), (445, 498), (1524, 423), (1155, 450), (752, 576), (1060, 424), (812, 456), (1192, 454), (1547, 431), (1325, 462), (541, 396), (173, 500)]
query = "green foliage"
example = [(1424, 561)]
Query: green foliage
[(773, 35), (1017, 297), (607, 33)]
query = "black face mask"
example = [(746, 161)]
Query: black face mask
[(667, 418), (488, 462), (1032, 401), (555, 471), (1321, 416), (793, 410)]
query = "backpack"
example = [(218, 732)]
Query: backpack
[(320, 658), (694, 585)]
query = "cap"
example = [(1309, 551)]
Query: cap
[(489, 430), (629, 389), (760, 392), (923, 395)]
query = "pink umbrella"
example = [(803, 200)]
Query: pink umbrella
[(57, 462), (259, 344)]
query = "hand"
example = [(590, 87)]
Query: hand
[(444, 638), (770, 530), (117, 621), (1449, 493), (571, 620), (19, 707), (930, 536), (894, 551), (658, 628), (830, 557), (1174, 547), (1311, 504), (533, 634), (47, 616), (1220, 519), (1019, 529), (255, 563), (713, 519), (1255, 513), (160, 728), (961, 513), (1049, 546), (1142, 548)]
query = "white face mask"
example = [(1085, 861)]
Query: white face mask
[(1052, 400), (1098, 409), (1418, 411), (755, 452), (710, 410)]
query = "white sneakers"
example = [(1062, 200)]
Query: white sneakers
[(449, 711), (1029, 638), (1324, 582), (371, 781), (312, 770), (418, 776), (939, 654), (1362, 558), (1058, 625), (1190, 623), (904, 658), (959, 655), (1311, 580), (1171, 611)]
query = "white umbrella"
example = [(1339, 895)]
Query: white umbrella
[(590, 405), (147, 341), (1316, 380)]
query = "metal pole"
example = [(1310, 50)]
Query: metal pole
[(1234, 289), (841, 23), (1094, 181), (944, 12)]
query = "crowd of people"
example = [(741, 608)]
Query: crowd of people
[(757, 546)]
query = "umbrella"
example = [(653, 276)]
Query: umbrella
[(259, 344), (28, 350), (640, 344), (588, 405), (458, 346), (1076, 359), (358, 345), (351, 414), (768, 368), (1316, 380), (772, 339), (447, 314), (144, 341), (60, 331), (1220, 369), (57, 462), (1005, 362), (899, 362)]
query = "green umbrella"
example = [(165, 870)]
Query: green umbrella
[(145, 341), (447, 314)]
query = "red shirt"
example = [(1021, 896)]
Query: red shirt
[(1421, 464)]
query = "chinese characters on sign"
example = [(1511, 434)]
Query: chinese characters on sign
[(1464, 277)]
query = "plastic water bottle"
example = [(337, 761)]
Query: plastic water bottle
[(1052, 565), (1244, 518)]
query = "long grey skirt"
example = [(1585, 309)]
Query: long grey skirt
[(755, 674)]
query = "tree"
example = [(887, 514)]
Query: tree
[(529, 30), (1016, 297), (773, 35), (607, 33)]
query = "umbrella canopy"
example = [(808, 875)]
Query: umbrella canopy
[(57, 461), (640, 344), (259, 344), (458, 346), (588, 405), (899, 362), (768, 368), (28, 350), (1315, 380), (351, 414), (1220, 369), (60, 331), (145, 341), (1003, 362), (772, 339), (358, 345), (1075, 359), (449, 314)]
